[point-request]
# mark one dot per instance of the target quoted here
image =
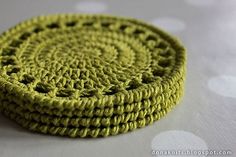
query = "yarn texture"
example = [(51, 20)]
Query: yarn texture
[(89, 75)]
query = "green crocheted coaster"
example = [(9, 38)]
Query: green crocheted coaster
[(88, 75)]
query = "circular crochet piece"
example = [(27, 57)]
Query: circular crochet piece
[(88, 75)]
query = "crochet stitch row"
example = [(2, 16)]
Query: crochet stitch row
[(88, 75)]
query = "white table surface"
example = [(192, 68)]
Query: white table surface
[(205, 119)]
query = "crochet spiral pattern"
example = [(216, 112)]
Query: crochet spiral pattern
[(88, 75)]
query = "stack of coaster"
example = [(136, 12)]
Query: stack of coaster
[(88, 75)]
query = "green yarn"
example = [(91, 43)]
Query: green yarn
[(88, 75)]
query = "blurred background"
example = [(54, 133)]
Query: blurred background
[(205, 119)]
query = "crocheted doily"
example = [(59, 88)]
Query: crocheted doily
[(88, 75)]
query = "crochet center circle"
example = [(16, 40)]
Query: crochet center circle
[(88, 75)]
